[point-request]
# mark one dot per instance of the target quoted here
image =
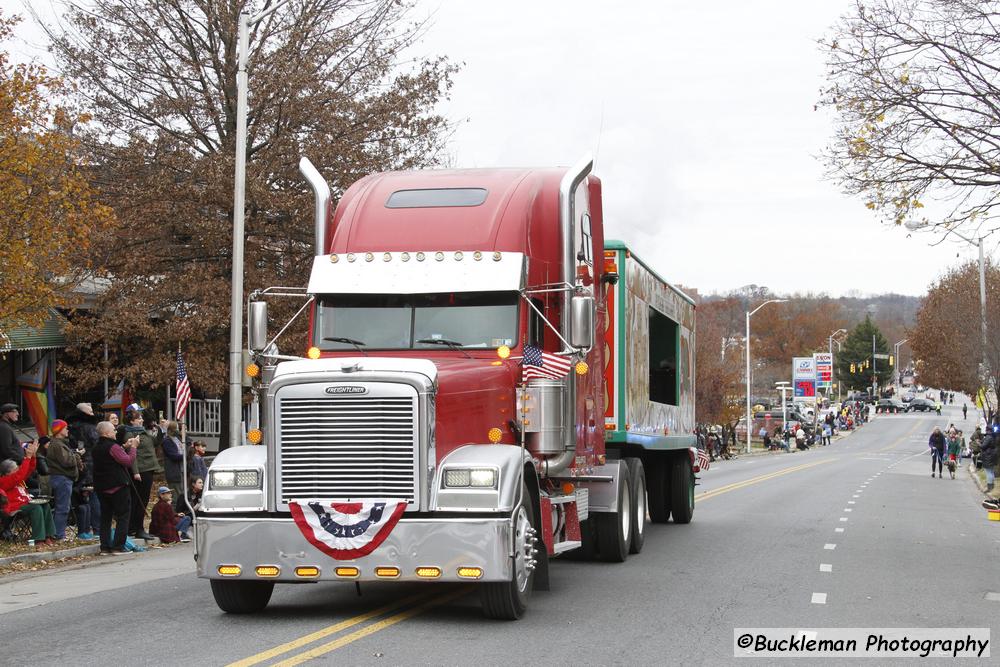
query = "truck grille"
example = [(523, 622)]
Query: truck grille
[(348, 447)]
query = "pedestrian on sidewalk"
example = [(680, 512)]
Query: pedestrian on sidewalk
[(965, 411), (113, 484), (173, 459), (10, 445), (144, 468), (937, 446), (12, 484), (64, 468), (83, 435), (988, 457)]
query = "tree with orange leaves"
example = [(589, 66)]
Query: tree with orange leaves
[(47, 208)]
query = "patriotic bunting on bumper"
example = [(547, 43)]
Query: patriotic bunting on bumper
[(345, 531)]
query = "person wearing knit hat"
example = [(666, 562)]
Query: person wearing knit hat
[(64, 467)]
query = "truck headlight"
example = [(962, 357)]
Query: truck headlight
[(234, 479), (464, 478)]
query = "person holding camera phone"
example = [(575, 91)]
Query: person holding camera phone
[(113, 483)]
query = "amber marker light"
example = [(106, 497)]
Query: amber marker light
[(254, 436), (568, 488), (387, 572), (307, 571), (252, 370), (428, 572), (503, 351), (581, 368), (470, 572), (494, 435), (345, 571), (313, 352), (230, 570), (268, 571)]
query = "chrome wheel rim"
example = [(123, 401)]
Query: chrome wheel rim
[(626, 513), (524, 542), (640, 507)]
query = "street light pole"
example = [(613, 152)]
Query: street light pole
[(833, 366), (899, 373), (239, 198), (749, 315)]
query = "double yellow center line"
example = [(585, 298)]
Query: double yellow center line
[(322, 649), (757, 480)]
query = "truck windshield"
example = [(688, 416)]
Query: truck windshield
[(401, 321)]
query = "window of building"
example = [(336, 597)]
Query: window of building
[(663, 346)]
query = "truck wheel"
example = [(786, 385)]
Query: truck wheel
[(614, 529), (241, 597), (682, 490), (637, 480), (658, 481), (508, 600)]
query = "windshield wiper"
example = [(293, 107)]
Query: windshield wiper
[(455, 345), (346, 341)]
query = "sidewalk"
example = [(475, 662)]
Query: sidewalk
[(33, 589), (760, 451)]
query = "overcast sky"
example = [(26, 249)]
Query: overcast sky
[(702, 122)]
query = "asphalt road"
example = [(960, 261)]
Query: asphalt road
[(856, 534)]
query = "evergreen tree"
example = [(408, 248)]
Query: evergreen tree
[(857, 352)]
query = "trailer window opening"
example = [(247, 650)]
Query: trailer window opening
[(482, 320), (663, 353), (436, 198)]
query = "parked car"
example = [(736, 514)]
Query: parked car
[(890, 405), (908, 396), (921, 405)]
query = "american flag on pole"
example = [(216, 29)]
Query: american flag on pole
[(183, 388), (541, 364), (703, 460)]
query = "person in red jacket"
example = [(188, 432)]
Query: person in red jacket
[(163, 523), (12, 477)]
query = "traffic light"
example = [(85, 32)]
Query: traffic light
[(890, 360), (853, 370)]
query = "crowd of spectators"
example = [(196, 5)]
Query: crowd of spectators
[(102, 473)]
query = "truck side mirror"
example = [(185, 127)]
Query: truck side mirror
[(582, 315), (257, 333)]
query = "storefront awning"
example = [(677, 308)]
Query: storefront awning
[(46, 337)]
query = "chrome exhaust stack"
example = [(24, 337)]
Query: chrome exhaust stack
[(321, 191), (576, 175)]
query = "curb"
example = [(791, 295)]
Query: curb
[(39, 556), (975, 480)]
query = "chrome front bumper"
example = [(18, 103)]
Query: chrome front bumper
[(447, 544)]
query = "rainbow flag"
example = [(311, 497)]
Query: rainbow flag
[(39, 409), (39, 395)]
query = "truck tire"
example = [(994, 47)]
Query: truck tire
[(682, 490), (637, 481), (658, 493), (508, 600), (614, 529), (241, 597)]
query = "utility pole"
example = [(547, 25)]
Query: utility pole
[(239, 203)]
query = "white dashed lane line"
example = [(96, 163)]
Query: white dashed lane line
[(829, 547), (825, 567), (838, 530), (819, 598)]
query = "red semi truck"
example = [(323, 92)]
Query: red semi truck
[(487, 385)]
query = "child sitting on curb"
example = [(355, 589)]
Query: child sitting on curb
[(163, 523)]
